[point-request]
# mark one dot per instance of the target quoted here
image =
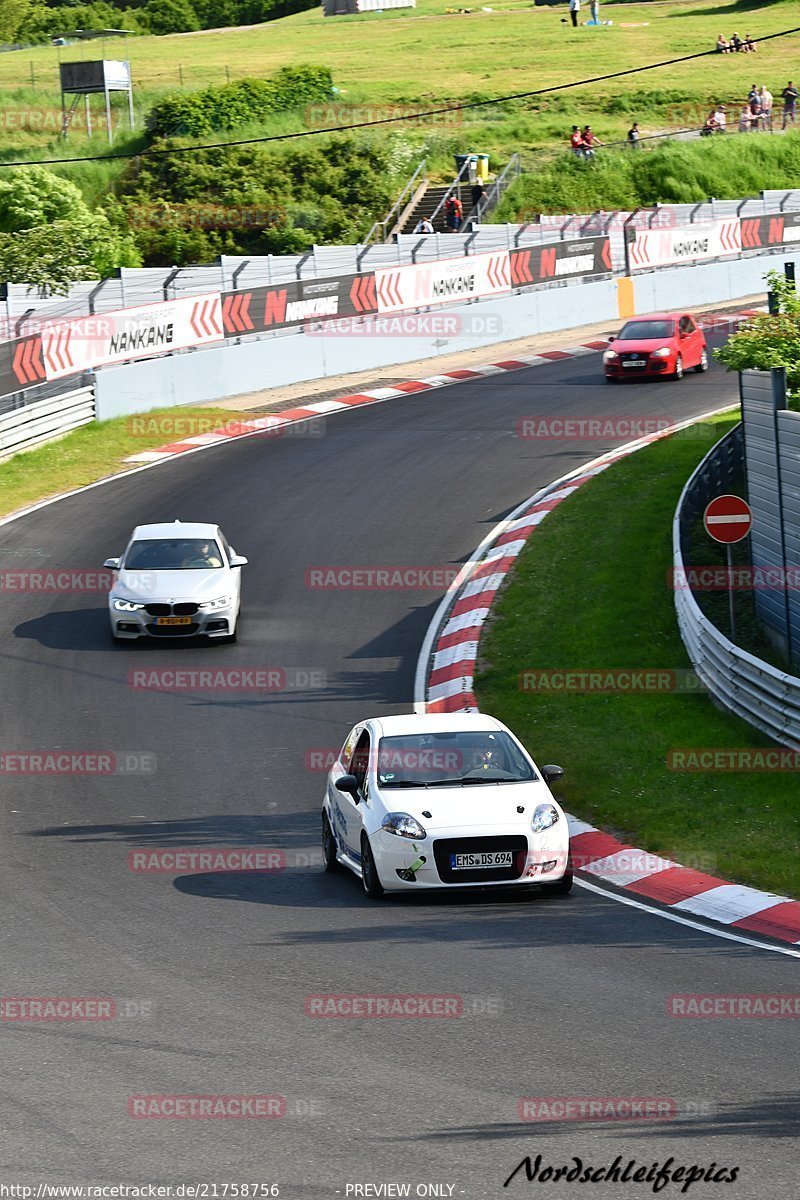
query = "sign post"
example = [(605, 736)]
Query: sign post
[(728, 520)]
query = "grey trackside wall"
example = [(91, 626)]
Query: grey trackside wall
[(203, 376), (207, 375)]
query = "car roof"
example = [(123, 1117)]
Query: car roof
[(411, 723), (659, 316), (173, 529)]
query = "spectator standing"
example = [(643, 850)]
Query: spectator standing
[(574, 9), (789, 95), (754, 104), (634, 136), (594, 10), (590, 140), (576, 142), (745, 119), (765, 96), (720, 118), (454, 214)]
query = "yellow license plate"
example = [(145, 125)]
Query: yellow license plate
[(173, 620)]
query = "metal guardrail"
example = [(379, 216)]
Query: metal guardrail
[(41, 421), (510, 173), (25, 309), (759, 693)]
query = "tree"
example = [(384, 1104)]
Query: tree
[(32, 196), (170, 16), (767, 341), (52, 257), (12, 16)]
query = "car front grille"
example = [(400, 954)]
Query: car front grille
[(444, 847), (170, 610)]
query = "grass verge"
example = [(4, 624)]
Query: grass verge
[(97, 450), (591, 591)]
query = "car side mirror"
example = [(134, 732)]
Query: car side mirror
[(612, 339), (238, 560), (552, 773), (349, 785), (112, 563)]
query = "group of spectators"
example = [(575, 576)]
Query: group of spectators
[(736, 45), (756, 112), (582, 142)]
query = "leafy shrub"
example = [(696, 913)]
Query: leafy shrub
[(228, 106)]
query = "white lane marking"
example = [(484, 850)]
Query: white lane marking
[(671, 916), (453, 687), (323, 406), (466, 620), (729, 902)]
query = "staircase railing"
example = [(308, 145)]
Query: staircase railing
[(510, 173), (387, 225)]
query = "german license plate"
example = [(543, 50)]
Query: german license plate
[(173, 620), (634, 362), (487, 859)]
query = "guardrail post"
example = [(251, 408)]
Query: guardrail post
[(168, 281), (235, 277)]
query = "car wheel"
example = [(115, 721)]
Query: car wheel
[(329, 859), (369, 872), (703, 364), (561, 887), (678, 373)]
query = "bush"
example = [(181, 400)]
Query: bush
[(169, 16), (255, 199), (226, 107)]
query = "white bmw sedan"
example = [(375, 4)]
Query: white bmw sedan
[(450, 800), (176, 579)]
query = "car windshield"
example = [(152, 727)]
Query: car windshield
[(645, 331), (173, 554), (439, 759)]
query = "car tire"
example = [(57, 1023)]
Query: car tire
[(703, 364), (369, 872), (329, 859), (678, 372), (561, 887)]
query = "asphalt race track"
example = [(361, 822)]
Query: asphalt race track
[(563, 998)]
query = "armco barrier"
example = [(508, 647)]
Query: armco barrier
[(762, 695), (43, 420)]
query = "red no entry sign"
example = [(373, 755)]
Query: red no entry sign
[(728, 519)]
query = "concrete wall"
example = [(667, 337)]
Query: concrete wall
[(204, 376)]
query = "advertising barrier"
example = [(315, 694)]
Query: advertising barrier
[(578, 258), (265, 308), (130, 333), (684, 243), (68, 347), (442, 282)]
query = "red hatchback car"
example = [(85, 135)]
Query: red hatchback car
[(659, 344)]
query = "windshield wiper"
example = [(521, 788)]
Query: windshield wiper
[(404, 783)]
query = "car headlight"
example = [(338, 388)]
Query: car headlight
[(544, 817), (215, 605), (610, 355), (403, 825), (126, 605), (664, 352)]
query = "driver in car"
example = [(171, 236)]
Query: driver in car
[(205, 556)]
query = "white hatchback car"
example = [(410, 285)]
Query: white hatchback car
[(443, 800), (176, 580)]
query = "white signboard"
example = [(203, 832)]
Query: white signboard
[(128, 333), (443, 282), (684, 243)]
